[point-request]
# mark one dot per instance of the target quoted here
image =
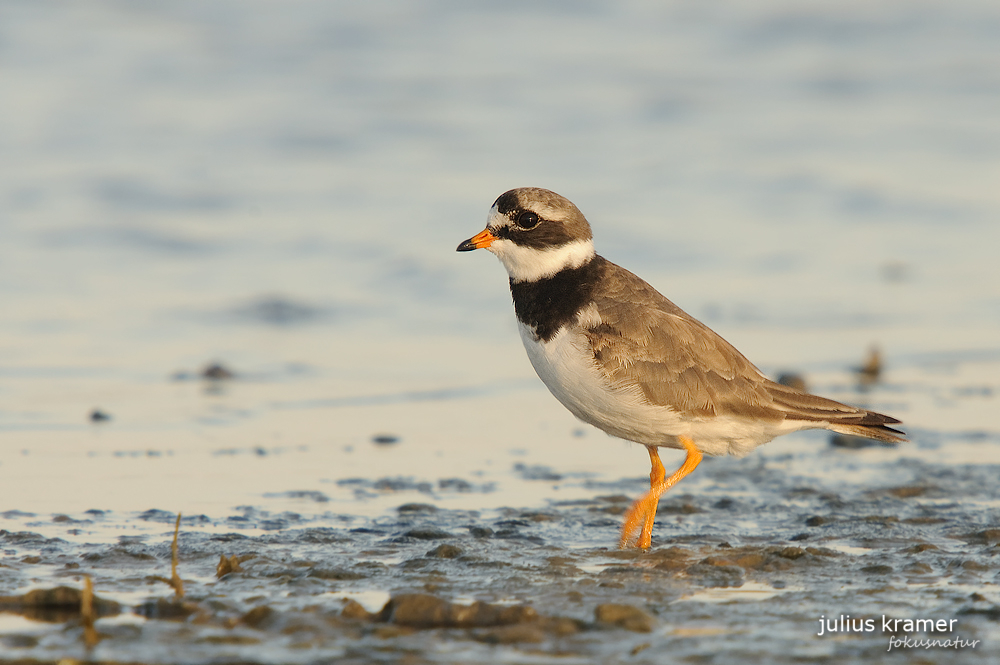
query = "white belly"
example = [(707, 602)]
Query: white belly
[(565, 364)]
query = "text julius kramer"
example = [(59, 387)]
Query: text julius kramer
[(845, 624)]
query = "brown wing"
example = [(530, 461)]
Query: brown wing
[(646, 341)]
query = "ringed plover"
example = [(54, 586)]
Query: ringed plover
[(622, 357)]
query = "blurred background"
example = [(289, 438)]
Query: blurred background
[(280, 188)]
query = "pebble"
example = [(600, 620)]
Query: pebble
[(628, 617)]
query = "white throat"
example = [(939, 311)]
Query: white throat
[(527, 264)]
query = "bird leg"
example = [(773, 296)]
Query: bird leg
[(643, 511)]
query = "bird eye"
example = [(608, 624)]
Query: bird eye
[(527, 220)]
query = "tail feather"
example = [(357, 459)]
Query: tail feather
[(832, 415), (877, 432)]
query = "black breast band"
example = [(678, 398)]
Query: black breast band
[(548, 304)]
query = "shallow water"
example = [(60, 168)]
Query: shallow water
[(280, 188)]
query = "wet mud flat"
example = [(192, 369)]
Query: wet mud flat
[(741, 571)]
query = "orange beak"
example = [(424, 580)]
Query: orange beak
[(482, 239)]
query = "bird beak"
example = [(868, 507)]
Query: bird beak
[(482, 239)]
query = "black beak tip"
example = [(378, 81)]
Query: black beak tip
[(466, 246)]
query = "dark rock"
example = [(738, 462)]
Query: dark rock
[(427, 533), (984, 537), (908, 491), (335, 574), (166, 609), (852, 442), (518, 633), (445, 552), (918, 568), (19, 641), (792, 380), (259, 617), (217, 372), (419, 610), (312, 495), (536, 472), (454, 484), (628, 617), (819, 520), (56, 604), (355, 610), (417, 508), (991, 613)]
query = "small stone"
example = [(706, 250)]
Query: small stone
[(454, 484), (752, 560), (869, 372), (918, 568), (427, 533), (162, 608), (520, 633), (19, 641), (792, 380), (339, 574), (628, 617), (791, 553), (908, 491), (390, 632), (984, 537), (445, 552), (725, 503), (355, 610), (230, 640), (61, 596), (216, 372), (561, 626), (818, 520), (417, 610), (258, 617), (850, 441)]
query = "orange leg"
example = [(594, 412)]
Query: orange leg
[(643, 511)]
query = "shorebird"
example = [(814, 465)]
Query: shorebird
[(622, 357)]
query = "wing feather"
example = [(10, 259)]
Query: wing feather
[(640, 339)]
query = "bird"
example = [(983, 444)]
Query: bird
[(622, 357)]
